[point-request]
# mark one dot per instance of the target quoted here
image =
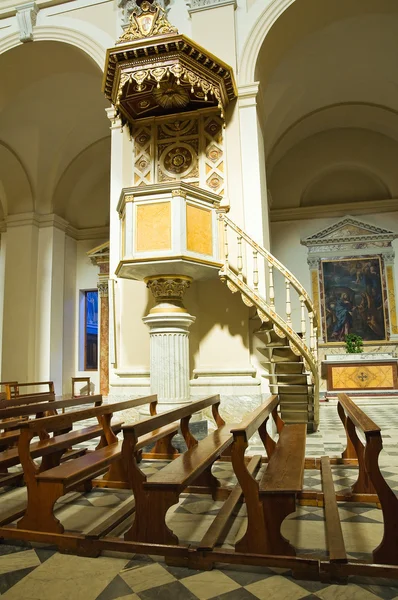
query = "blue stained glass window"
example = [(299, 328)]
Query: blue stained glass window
[(91, 331)]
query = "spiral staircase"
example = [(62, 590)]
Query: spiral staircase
[(288, 322)]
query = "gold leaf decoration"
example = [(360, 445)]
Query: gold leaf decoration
[(148, 21)]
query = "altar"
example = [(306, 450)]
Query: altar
[(367, 373)]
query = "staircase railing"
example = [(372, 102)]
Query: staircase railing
[(258, 275)]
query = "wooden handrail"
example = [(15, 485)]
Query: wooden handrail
[(357, 416), (274, 261)]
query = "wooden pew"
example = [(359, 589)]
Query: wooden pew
[(3, 384), (13, 389), (154, 495), (46, 486), (270, 500), (370, 480), (9, 456), (12, 416)]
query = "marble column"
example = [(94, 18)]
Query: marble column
[(104, 338), (169, 324)]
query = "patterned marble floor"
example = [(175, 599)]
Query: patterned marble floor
[(38, 572)]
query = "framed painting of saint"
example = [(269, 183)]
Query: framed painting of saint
[(353, 299)]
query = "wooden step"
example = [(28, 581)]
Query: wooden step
[(289, 367)]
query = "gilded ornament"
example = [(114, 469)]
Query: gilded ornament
[(149, 20), (170, 95)]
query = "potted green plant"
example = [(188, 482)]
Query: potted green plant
[(353, 344)]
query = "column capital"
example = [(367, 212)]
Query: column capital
[(103, 289), (313, 262), (248, 95)]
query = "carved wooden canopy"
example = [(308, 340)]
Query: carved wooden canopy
[(153, 70)]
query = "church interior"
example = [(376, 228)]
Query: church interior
[(198, 299)]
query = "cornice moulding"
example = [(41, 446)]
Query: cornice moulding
[(22, 220), (89, 233), (52, 220), (199, 5), (248, 95), (333, 210), (8, 8)]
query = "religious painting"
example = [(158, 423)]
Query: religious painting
[(353, 299)]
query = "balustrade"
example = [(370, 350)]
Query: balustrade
[(251, 268)]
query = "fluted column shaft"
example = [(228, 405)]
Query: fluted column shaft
[(169, 348)]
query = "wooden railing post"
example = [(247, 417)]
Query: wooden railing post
[(226, 256), (271, 289), (288, 304), (312, 334), (255, 271), (240, 258), (303, 321)]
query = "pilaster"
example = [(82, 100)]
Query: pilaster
[(50, 300), (20, 285), (256, 212)]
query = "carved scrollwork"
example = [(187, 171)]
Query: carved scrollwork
[(281, 334), (294, 349), (231, 286), (262, 316), (146, 21), (246, 300)]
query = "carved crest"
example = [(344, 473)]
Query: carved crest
[(147, 21)]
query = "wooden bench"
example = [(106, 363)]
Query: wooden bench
[(271, 499), (45, 487), (13, 389), (9, 456), (370, 479), (3, 384), (154, 495)]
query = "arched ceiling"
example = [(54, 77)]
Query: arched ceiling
[(329, 83), (52, 112)]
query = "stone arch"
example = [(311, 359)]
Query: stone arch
[(256, 37), (16, 194), (66, 31)]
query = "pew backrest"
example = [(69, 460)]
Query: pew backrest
[(357, 416), (175, 414), (66, 420), (46, 406), (13, 389), (25, 400), (253, 421)]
